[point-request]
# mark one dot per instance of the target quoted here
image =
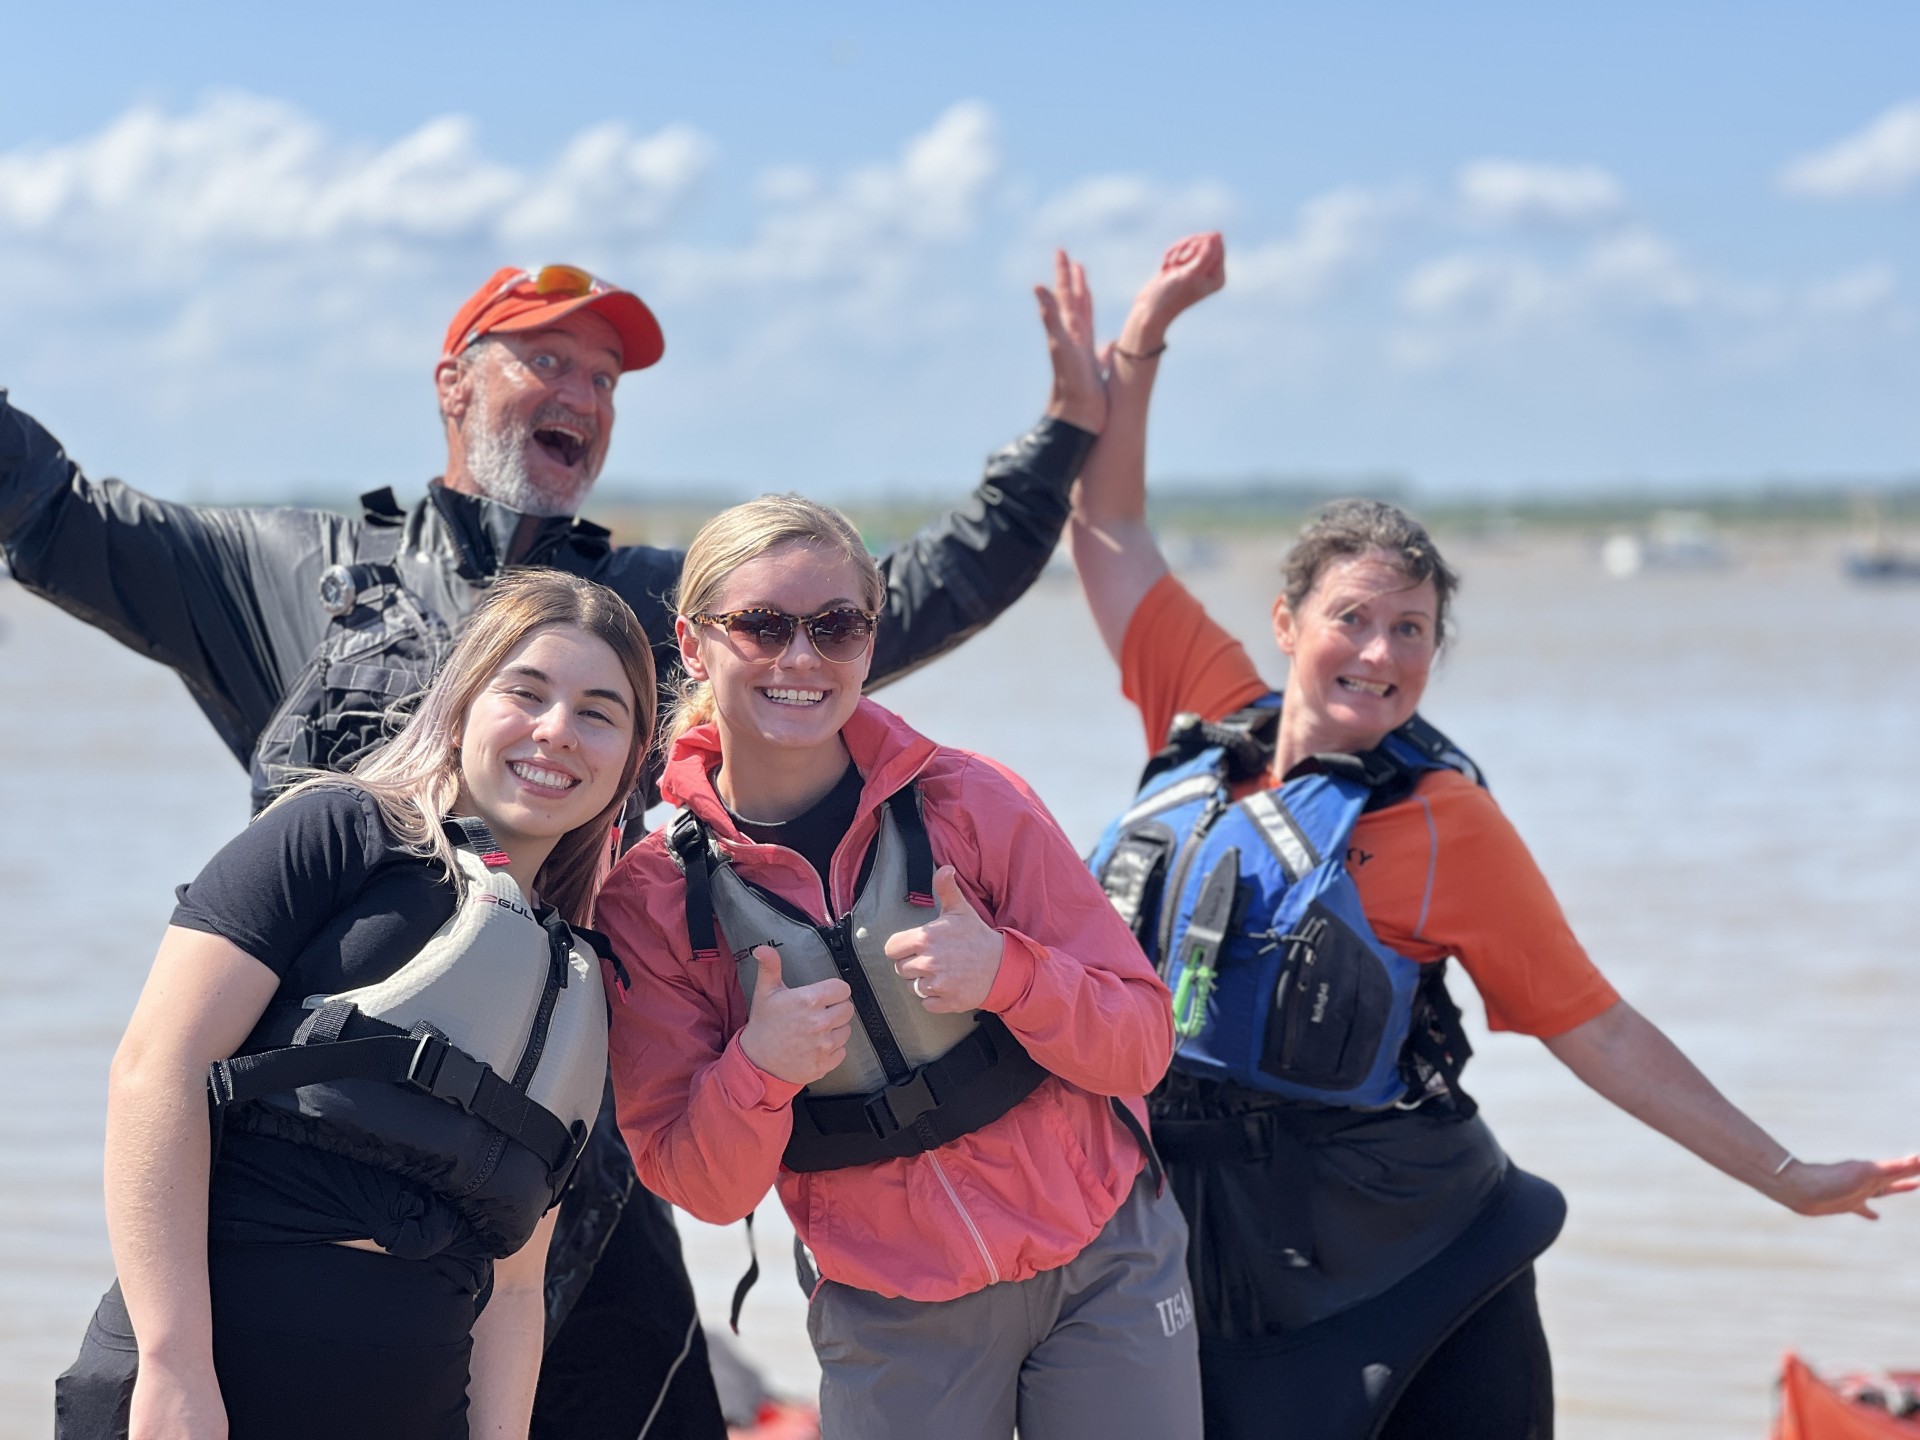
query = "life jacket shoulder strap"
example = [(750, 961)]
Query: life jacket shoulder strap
[(1437, 1048), (472, 832), (380, 511), (691, 844), (692, 851), (908, 817), (1426, 741), (1246, 740)]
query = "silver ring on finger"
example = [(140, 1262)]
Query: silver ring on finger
[(918, 981)]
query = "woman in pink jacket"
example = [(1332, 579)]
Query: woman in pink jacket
[(871, 971)]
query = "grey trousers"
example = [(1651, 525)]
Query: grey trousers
[(1102, 1348)]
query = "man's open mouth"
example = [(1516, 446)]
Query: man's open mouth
[(563, 443)]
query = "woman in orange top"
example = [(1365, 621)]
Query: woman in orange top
[(1368, 1272)]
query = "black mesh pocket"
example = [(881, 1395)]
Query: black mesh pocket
[(1331, 1006)]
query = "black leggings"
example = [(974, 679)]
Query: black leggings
[(631, 1359), (310, 1342), (1492, 1379)]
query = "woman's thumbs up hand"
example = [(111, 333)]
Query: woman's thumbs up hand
[(953, 960), (797, 1034)]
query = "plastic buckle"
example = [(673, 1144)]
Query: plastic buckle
[(898, 1106), (578, 1134), (1256, 1133), (445, 1071)]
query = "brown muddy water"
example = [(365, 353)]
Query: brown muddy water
[(1714, 769)]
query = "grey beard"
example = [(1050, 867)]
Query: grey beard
[(497, 462)]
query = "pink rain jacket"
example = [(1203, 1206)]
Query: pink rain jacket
[(1026, 1193)]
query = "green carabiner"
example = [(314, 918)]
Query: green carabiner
[(1191, 994)]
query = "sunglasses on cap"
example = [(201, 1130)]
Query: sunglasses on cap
[(566, 281), (840, 634)]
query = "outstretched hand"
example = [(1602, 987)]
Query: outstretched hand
[(1191, 270), (796, 1034), (1845, 1187), (953, 960), (1079, 397)]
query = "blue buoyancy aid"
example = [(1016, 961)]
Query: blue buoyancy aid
[(1247, 909)]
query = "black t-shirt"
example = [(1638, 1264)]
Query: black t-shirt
[(816, 832), (321, 892)]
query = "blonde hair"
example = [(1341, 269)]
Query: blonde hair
[(730, 540), (415, 777)]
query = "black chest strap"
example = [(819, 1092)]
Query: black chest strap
[(421, 1058)]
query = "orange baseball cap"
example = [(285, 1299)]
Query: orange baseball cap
[(515, 299)]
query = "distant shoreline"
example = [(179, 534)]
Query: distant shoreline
[(1888, 515)]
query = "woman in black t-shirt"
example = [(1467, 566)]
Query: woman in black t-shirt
[(324, 1289)]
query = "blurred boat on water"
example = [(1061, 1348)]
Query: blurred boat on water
[(1671, 540), (1878, 564), (1875, 556)]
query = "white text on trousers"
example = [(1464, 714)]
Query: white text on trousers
[(1176, 1313)]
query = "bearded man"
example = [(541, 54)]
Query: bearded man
[(301, 633)]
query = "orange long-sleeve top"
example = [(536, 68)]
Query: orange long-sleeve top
[(1440, 874)]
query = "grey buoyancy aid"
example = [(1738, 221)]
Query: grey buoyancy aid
[(476, 1068), (1246, 907), (911, 1080)]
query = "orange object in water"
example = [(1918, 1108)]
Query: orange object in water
[(780, 1420), (1853, 1406)]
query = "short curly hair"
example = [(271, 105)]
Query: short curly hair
[(1349, 528)]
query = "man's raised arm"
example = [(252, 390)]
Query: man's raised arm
[(174, 582)]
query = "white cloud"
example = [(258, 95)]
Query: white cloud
[(611, 182), (1639, 268), (242, 260), (1883, 159), (1107, 207), (1511, 192), (1631, 305), (243, 171), (1870, 290), (1335, 236), (1117, 225), (867, 228), (1481, 302), (945, 172), (787, 185), (1481, 287)]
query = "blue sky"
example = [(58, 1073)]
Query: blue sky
[(1487, 247)]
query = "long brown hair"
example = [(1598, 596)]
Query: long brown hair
[(730, 540), (415, 777)]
